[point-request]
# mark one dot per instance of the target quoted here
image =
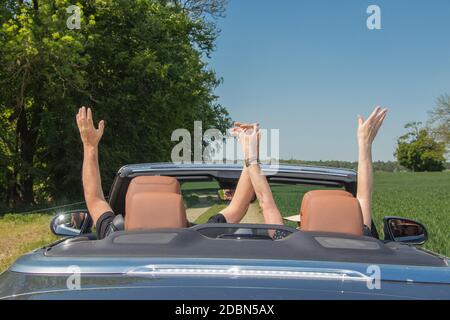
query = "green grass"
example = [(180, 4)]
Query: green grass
[(424, 197), (200, 185), (21, 234), (193, 192)]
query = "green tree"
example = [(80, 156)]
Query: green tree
[(418, 151), (212, 9), (440, 119), (138, 63)]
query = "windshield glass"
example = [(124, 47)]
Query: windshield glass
[(205, 199)]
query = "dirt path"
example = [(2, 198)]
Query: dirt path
[(194, 213), (253, 215)]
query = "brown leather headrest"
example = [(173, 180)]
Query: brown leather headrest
[(154, 202), (331, 211), (319, 193), (154, 184), (155, 210)]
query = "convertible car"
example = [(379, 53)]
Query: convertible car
[(327, 256)]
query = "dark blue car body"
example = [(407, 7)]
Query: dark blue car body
[(190, 265)]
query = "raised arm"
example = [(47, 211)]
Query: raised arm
[(367, 131), (92, 184), (240, 202), (244, 192), (249, 143)]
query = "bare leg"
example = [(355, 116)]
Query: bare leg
[(241, 200)]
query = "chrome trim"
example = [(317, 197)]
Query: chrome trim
[(152, 167), (36, 263), (247, 272)]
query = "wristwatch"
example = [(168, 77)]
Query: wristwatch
[(249, 162)]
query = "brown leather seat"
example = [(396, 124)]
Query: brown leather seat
[(331, 211), (154, 202)]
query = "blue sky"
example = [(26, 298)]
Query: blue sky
[(309, 67)]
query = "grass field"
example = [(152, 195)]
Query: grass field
[(22, 233), (424, 197), (421, 196)]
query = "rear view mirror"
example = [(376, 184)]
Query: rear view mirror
[(404, 230), (226, 194), (71, 223)]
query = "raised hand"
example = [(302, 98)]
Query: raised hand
[(240, 127), (92, 183), (89, 134), (368, 129), (248, 137)]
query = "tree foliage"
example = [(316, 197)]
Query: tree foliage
[(203, 8), (440, 119), (138, 63), (419, 151)]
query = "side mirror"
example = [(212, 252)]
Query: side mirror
[(71, 223), (404, 230)]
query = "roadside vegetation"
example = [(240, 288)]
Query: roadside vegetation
[(21, 234), (424, 197), (140, 64), (420, 196)]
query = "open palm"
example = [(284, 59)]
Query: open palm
[(89, 134), (368, 129)]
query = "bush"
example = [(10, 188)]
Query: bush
[(419, 151)]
